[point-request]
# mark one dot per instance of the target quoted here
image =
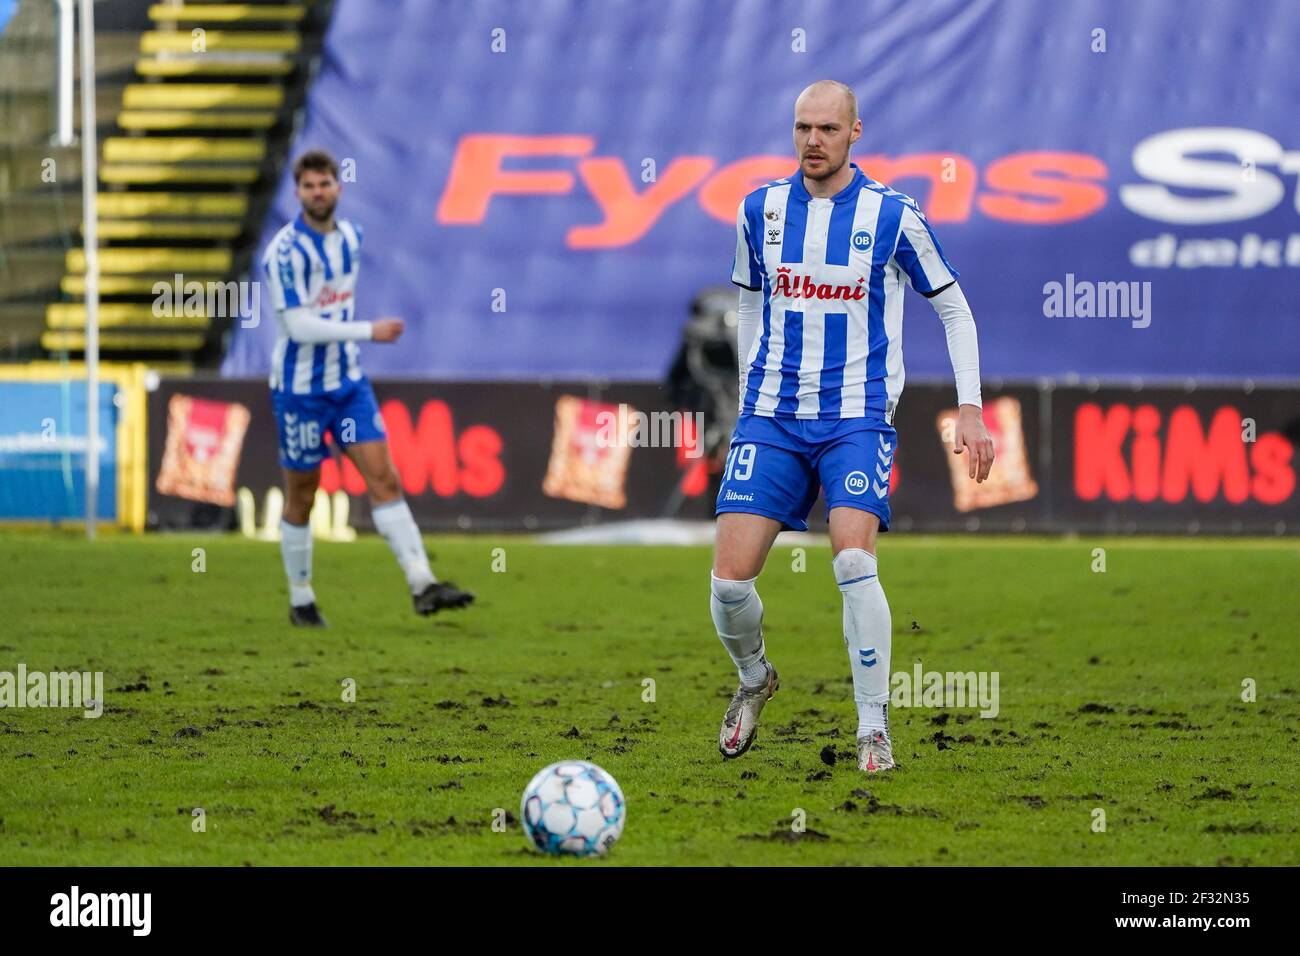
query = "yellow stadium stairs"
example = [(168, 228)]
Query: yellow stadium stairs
[(209, 85)]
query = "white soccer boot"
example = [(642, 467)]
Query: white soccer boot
[(875, 752), (740, 723)]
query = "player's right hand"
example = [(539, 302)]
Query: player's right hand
[(975, 437), (386, 330)]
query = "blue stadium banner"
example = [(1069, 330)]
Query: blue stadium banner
[(43, 447), (545, 186)]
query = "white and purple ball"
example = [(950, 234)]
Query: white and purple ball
[(573, 807)]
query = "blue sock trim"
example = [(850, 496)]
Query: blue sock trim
[(865, 577)]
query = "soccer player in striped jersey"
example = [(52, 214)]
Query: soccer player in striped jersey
[(822, 259), (318, 388)]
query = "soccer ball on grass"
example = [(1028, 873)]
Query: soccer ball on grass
[(573, 807)]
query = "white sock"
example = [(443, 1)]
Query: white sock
[(394, 521), (866, 635), (738, 617), (295, 550)]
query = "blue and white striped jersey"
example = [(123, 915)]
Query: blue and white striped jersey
[(317, 271), (830, 345)]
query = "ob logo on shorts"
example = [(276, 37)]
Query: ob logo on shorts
[(855, 482)]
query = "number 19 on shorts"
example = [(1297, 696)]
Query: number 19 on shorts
[(740, 462)]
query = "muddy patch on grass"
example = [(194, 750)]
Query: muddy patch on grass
[(448, 827), (1095, 708), (864, 801), (624, 744), (331, 816), (1214, 793), (787, 836), (1235, 829)]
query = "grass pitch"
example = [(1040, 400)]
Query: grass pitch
[(1119, 691)]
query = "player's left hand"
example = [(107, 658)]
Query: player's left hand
[(972, 435)]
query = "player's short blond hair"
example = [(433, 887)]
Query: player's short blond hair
[(838, 87)]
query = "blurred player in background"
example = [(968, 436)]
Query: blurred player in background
[(822, 258), (317, 387)]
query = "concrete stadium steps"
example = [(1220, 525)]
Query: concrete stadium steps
[(154, 174), (112, 340), (188, 13), (162, 367), (182, 159), (199, 96), (21, 324), (268, 53), (226, 229), (217, 41), (126, 205), (196, 119), (182, 149), (37, 217), (27, 271), (153, 259), (55, 216), (26, 118), (33, 70), (210, 64), (133, 315), (113, 285), (40, 169), (186, 106)]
